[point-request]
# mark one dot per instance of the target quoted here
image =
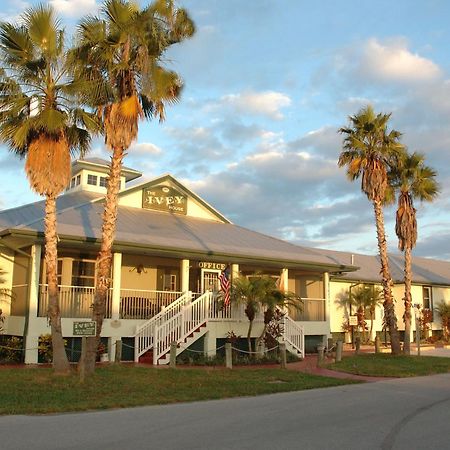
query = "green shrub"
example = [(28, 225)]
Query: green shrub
[(11, 349)]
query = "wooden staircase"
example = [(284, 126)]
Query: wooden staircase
[(185, 321)]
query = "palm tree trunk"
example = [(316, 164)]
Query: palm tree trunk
[(407, 316), (388, 304), (61, 364), (104, 257), (249, 339)]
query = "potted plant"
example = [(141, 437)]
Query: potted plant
[(102, 354)]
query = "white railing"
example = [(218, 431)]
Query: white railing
[(74, 301), (294, 335), (232, 313), (144, 336), (191, 317), (141, 304)]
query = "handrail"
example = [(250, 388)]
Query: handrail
[(180, 326), (144, 336), (294, 334)]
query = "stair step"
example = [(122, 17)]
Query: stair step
[(147, 357)]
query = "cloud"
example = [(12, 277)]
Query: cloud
[(12, 9), (144, 148), (76, 8), (394, 62), (267, 104)]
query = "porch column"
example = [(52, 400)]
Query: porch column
[(284, 284), (32, 331), (117, 274), (234, 271), (184, 275), (115, 304), (326, 293)]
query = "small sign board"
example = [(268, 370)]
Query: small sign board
[(164, 198), (353, 321), (84, 328)]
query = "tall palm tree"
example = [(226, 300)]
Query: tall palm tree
[(39, 122), (414, 181), (368, 152), (120, 53)]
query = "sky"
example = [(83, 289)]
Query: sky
[(267, 85)]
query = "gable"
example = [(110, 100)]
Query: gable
[(167, 195)]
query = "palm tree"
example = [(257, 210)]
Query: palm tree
[(39, 122), (361, 298), (276, 299), (252, 292), (371, 302), (368, 152), (443, 309), (414, 181), (120, 54)]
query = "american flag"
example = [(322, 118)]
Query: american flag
[(225, 285)]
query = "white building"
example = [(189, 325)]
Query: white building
[(169, 250)]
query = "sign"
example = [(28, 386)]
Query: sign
[(353, 321), (164, 198), (211, 265), (84, 328)]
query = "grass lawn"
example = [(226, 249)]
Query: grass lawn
[(37, 391), (385, 365)]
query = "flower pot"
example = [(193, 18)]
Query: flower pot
[(104, 357)]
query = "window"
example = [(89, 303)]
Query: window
[(92, 179), (170, 282), (83, 272), (103, 181), (72, 182), (78, 180), (427, 298)]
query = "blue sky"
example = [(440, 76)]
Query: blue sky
[(267, 85)]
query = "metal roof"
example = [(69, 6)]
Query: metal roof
[(25, 214), (153, 229), (424, 270), (80, 217)]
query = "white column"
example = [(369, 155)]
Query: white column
[(234, 271), (115, 303), (33, 331), (284, 279), (117, 275), (326, 293), (184, 275)]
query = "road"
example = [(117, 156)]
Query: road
[(393, 414)]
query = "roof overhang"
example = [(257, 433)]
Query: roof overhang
[(182, 253)]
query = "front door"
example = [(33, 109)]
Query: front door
[(210, 280)]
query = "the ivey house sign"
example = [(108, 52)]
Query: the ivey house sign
[(164, 198)]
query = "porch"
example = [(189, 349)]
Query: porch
[(139, 304)]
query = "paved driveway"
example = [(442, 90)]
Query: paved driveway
[(395, 414), (430, 351)]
